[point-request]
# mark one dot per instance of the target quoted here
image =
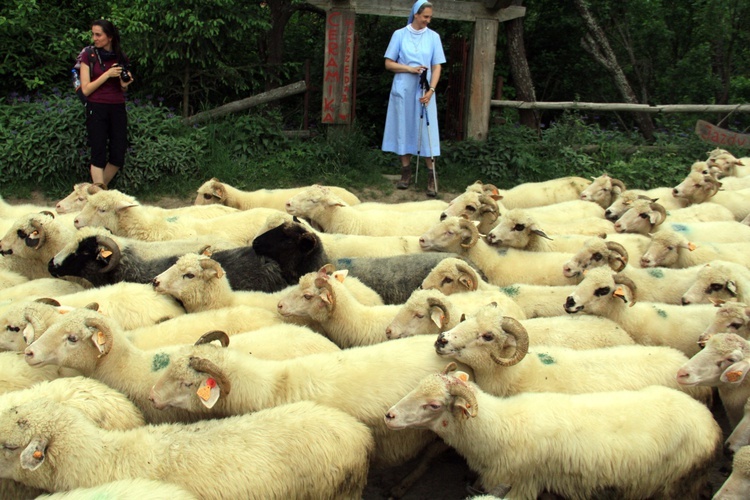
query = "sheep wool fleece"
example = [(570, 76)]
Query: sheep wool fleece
[(404, 109)]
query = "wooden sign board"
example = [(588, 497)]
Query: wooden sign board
[(721, 137), (339, 66)]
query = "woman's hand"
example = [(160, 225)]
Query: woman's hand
[(427, 96), (417, 70), (115, 71)]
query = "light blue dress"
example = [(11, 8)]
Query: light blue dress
[(404, 109)]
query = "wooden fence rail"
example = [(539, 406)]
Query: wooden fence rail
[(641, 108)]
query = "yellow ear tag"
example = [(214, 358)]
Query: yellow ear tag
[(209, 392), (691, 246), (619, 292), (105, 253), (35, 233), (100, 339), (462, 376), (734, 376)]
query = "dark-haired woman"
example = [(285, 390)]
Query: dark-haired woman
[(104, 87)]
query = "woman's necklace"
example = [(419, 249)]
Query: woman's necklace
[(415, 36)]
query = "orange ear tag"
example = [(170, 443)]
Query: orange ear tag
[(691, 246), (733, 376), (38, 455), (105, 253), (619, 292), (209, 393), (462, 376), (470, 283)]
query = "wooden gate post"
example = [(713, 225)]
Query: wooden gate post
[(481, 74), (339, 66)]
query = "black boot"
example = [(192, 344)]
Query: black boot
[(431, 185), (405, 178)]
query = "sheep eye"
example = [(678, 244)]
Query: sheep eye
[(9, 447), (81, 199), (307, 296), (519, 227), (433, 406), (101, 210), (447, 281), (188, 276), (488, 337), (643, 215), (187, 384), (449, 233), (716, 287), (418, 315), (22, 234), (670, 248), (471, 209), (206, 196), (72, 338), (13, 328), (600, 292), (597, 256), (735, 326)]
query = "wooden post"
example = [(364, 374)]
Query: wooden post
[(483, 49), (339, 64)]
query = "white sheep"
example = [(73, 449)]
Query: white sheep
[(143, 489), (200, 284), (24, 321), (124, 216), (324, 299), (330, 213), (16, 374), (740, 436), (455, 276), (94, 345), (362, 381), (719, 281), (214, 191), (508, 267), (659, 442), (627, 198), (614, 251), (430, 312), (604, 293), (74, 202), (728, 164), (535, 194), (40, 287), (401, 206), (731, 317), (737, 485), (723, 363), (518, 229), (498, 349), (698, 188), (673, 249), (603, 190), (730, 182), (14, 211), (55, 449), (10, 278), (647, 216)]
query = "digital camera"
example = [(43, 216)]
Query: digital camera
[(125, 75)]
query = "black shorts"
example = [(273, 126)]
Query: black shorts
[(107, 126)]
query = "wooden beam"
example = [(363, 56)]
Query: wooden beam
[(248, 102), (454, 10), (483, 50), (641, 108)]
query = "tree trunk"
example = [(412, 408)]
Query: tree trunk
[(519, 67), (186, 91), (595, 43), (281, 12)]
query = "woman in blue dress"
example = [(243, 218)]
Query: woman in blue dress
[(414, 49)]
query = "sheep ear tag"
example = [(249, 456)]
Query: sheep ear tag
[(99, 341), (209, 392), (691, 246), (462, 376), (620, 293), (340, 275), (104, 254)]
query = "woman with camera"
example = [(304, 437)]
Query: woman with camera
[(104, 80)]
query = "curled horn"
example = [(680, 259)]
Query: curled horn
[(102, 326), (328, 268), (450, 367), (433, 302), (465, 224), (516, 330), (461, 267), (212, 265), (47, 212), (208, 367), (488, 207), (716, 185), (213, 335), (620, 254), (93, 188), (40, 231), (618, 184), (113, 247), (460, 390), (624, 280), (656, 207)]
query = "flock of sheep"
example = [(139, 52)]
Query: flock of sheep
[(564, 337)]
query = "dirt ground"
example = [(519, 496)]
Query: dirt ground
[(448, 477)]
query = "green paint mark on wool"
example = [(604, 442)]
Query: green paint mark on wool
[(545, 358), (661, 312), (656, 273), (172, 219), (510, 291), (160, 361), (680, 228)]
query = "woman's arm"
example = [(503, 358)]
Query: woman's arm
[(88, 87), (434, 79), (392, 65)]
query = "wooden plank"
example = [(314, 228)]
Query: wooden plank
[(483, 50), (721, 137), (641, 108), (454, 10), (339, 67), (248, 102)]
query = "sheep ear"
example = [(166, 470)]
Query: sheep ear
[(731, 287), (467, 411), (736, 373), (33, 240), (326, 297), (467, 282), (463, 318), (100, 341), (462, 376), (209, 393), (123, 204), (654, 217), (620, 294), (33, 456), (541, 233), (340, 275), (691, 246), (29, 334), (437, 316)]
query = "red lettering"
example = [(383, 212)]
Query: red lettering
[(328, 118), (333, 18), (328, 105), (331, 63), (332, 76)]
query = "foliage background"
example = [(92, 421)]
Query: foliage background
[(192, 55)]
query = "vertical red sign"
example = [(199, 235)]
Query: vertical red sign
[(339, 62)]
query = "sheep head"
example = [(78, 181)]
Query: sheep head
[(665, 248), (452, 275), (724, 360), (210, 192)]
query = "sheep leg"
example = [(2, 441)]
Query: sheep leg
[(431, 452)]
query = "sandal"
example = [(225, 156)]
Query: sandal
[(405, 178)]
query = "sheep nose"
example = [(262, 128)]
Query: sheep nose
[(389, 416), (685, 302), (570, 303), (728, 451), (443, 216), (388, 332), (682, 374), (155, 282), (441, 341), (675, 192), (29, 353), (608, 214)]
